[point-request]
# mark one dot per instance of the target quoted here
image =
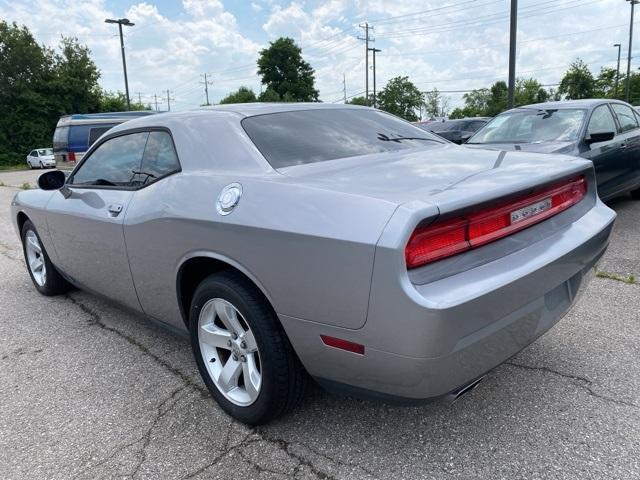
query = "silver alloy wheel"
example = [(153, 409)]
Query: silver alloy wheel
[(230, 352), (35, 258)]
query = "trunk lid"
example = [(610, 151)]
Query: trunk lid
[(448, 176)]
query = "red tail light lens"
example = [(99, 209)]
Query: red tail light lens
[(71, 156), (444, 239)]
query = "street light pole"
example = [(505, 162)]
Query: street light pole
[(126, 23), (617, 69), (374, 51), (513, 31), (626, 88)]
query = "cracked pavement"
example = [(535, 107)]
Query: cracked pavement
[(90, 391)]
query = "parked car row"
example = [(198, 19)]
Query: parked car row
[(607, 132), (456, 131), (333, 242)]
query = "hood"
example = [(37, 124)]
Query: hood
[(435, 172), (541, 147)]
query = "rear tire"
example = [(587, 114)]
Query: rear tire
[(228, 298), (43, 274)]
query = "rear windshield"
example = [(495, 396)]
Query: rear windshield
[(447, 126), (60, 138), (308, 136), (45, 151)]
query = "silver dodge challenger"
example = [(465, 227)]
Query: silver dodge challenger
[(340, 243)]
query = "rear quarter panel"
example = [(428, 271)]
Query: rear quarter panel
[(311, 251)]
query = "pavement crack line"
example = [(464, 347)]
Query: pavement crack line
[(579, 381), (96, 320)]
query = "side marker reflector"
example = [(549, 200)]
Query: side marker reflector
[(342, 344)]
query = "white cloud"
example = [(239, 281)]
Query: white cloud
[(459, 46)]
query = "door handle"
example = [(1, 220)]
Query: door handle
[(623, 145), (115, 209)]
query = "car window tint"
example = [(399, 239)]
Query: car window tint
[(96, 132), (159, 158), (308, 136), (601, 120), (625, 116), (33, 153), (113, 163)]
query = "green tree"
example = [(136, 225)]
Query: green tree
[(359, 101), (401, 97), (432, 103), (528, 91), (28, 110), (286, 73), (476, 103), (605, 84), (578, 82), (457, 113), (242, 95), (269, 95), (76, 78), (117, 102)]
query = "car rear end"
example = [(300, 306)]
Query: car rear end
[(465, 279)]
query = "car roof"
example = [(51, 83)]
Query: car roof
[(562, 104), (259, 108)]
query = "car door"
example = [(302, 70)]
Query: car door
[(86, 223), (32, 159), (630, 144), (607, 157)]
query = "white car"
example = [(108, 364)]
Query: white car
[(41, 158)]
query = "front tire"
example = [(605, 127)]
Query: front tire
[(43, 274), (242, 352)]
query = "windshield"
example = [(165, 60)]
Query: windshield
[(308, 136), (446, 126), (531, 126), (45, 151)]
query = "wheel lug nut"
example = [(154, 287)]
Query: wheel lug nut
[(228, 343), (243, 344), (234, 335), (235, 357), (243, 358)]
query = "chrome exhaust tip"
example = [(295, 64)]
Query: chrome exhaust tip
[(455, 395)]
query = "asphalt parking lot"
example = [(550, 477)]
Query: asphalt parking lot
[(90, 391)]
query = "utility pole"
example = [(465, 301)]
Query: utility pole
[(168, 99), (139, 97), (366, 39), (374, 51), (344, 87), (513, 31), (126, 23), (617, 69), (155, 99), (626, 88), (206, 88)]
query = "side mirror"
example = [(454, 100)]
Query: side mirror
[(595, 137), (53, 180)]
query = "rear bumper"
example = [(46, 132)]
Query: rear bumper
[(424, 341)]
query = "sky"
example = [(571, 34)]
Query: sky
[(449, 45)]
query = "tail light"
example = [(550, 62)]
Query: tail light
[(444, 239), (71, 156)]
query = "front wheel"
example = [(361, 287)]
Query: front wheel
[(43, 274), (241, 350)]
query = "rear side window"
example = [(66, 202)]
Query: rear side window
[(116, 162), (96, 132), (601, 120), (625, 116), (308, 136), (79, 137), (60, 138), (159, 159)]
